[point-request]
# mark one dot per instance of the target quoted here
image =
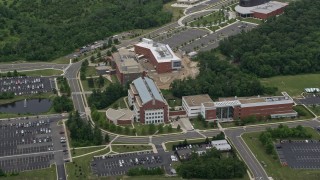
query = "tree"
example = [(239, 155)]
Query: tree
[(101, 81), (169, 128), (15, 73), (185, 142), (127, 130), (90, 82), (143, 131), (178, 127), (92, 59), (107, 138), (152, 128), (97, 140), (62, 103), (160, 128), (113, 49), (2, 174), (109, 53), (269, 148)]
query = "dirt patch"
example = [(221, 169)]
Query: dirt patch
[(190, 69)]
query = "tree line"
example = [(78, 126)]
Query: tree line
[(102, 99), (82, 133), (219, 78), (284, 45), (48, 29), (212, 165), (281, 132)]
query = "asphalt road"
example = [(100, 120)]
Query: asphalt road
[(31, 66), (71, 75)]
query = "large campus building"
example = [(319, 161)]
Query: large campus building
[(148, 104), (261, 9), (159, 55), (127, 66), (238, 108)]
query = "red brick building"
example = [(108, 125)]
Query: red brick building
[(262, 11), (159, 55), (126, 65), (148, 104), (238, 108)]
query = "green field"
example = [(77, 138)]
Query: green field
[(215, 17), (176, 11), (42, 174), (197, 124), (86, 87), (85, 150), (91, 71), (130, 148), (80, 167), (45, 72), (315, 109), (293, 85), (273, 166)]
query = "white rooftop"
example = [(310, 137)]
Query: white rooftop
[(162, 52), (263, 8), (227, 103)]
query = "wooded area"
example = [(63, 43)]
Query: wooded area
[(288, 44), (220, 167), (219, 78), (48, 29), (82, 133)]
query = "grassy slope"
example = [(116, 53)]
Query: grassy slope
[(293, 85), (42, 174), (72, 168), (130, 148), (81, 151), (273, 168)]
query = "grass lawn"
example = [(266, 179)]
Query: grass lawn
[(293, 85), (273, 166), (251, 20), (45, 72), (114, 79), (83, 163), (41, 174), (86, 87), (91, 71), (214, 28), (84, 150), (208, 20), (61, 60), (139, 128), (130, 148), (200, 125), (315, 109), (118, 104), (176, 11), (172, 100), (169, 145)]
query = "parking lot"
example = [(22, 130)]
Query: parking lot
[(114, 165), (303, 154), (183, 37), (309, 99), (26, 163), (30, 143), (211, 41), (26, 85)]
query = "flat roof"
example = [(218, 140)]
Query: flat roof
[(120, 114), (162, 52), (197, 100), (253, 101), (126, 62), (263, 8)]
